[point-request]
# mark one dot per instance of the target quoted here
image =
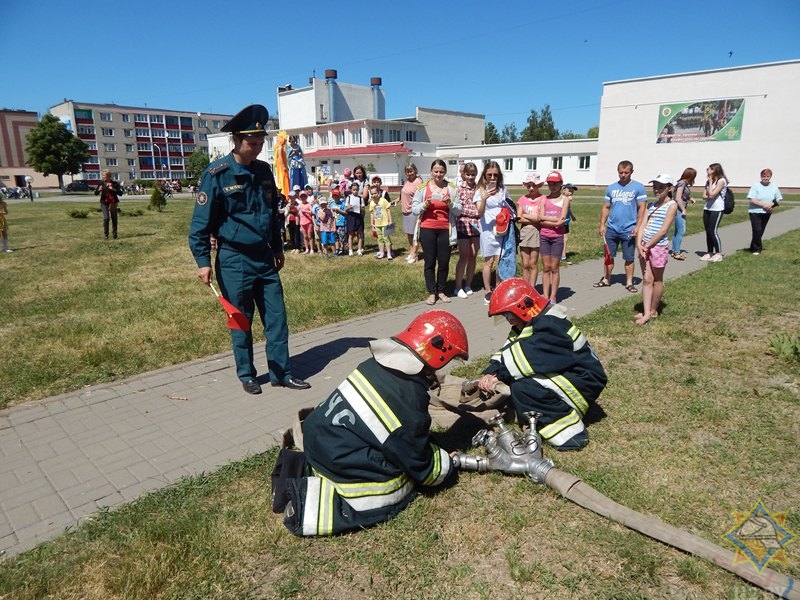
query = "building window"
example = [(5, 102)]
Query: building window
[(172, 120), (105, 117), (131, 162), (339, 139), (127, 132), (556, 162), (411, 135), (144, 147), (186, 121), (140, 118), (173, 133), (174, 148), (111, 162), (202, 123), (355, 136), (583, 162), (217, 124), (188, 148), (126, 118), (309, 137), (508, 164), (142, 132), (91, 144), (377, 136), (83, 113), (92, 160), (394, 135), (156, 118), (108, 132), (203, 137), (110, 147), (86, 129), (158, 132), (323, 140), (532, 164), (128, 147)]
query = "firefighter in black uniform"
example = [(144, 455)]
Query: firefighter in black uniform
[(367, 445), (547, 362)]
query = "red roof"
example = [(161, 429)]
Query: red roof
[(374, 149)]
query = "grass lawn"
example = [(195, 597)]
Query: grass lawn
[(700, 419), (79, 310)]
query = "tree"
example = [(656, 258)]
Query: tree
[(509, 133), (540, 127), (196, 163), (53, 150), (570, 135), (490, 135), (594, 132), (157, 199)]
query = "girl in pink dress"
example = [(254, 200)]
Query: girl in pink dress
[(552, 212)]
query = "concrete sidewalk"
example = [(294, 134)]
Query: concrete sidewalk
[(63, 458)]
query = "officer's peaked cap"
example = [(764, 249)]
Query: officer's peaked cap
[(251, 120)]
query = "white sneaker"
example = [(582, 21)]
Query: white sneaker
[(379, 255), (487, 298), (468, 290), (461, 293), (754, 253), (351, 252), (360, 253), (705, 257), (716, 258)]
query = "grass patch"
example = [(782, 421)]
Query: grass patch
[(700, 420)]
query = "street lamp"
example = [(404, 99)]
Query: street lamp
[(29, 180), (155, 167), (163, 162)]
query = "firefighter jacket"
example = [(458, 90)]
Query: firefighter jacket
[(552, 370), (368, 448)]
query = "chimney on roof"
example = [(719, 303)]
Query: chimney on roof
[(377, 105), (330, 81)]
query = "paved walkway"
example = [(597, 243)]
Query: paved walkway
[(63, 458)]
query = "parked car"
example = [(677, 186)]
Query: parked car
[(77, 186)]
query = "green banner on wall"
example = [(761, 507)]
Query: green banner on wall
[(705, 121)]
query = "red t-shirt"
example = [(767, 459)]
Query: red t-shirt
[(437, 215)]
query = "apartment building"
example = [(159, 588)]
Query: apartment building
[(135, 142)]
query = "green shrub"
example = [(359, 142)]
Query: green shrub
[(79, 213), (157, 199), (785, 346)]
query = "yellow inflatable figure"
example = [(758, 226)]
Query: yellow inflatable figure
[(281, 168)]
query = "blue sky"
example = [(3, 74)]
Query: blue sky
[(495, 58)]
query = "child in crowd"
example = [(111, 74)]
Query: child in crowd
[(653, 246), (355, 220), (293, 223), (4, 224), (337, 206), (567, 191), (552, 213), (528, 207), (306, 223), (327, 228), (381, 211), (315, 220)]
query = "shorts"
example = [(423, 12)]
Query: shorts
[(657, 256), (625, 241), (327, 238), (552, 247), (354, 222), (529, 237)]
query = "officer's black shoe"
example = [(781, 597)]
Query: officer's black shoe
[(251, 386), (293, 383)]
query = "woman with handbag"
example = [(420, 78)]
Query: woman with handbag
[(109, 192)]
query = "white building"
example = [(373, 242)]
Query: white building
[(744, 118)]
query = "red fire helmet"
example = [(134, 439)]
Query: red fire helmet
[(436, 337), (518, 297)]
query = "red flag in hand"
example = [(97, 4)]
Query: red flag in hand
[(236, 318), (607, 258)]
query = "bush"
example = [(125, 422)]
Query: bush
[(79, 213), (785, 347), (157, 199)]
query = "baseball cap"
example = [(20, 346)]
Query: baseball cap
[(555, 176), (533, 177), (292, 194), (663, 178), (336, 192), (322, 200), (569, 186), (296, 188)]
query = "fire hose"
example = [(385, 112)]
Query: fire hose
[(513, 453)]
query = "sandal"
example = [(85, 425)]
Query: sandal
[(443, 297), (678, 256), (601, 283), (431, 300), (631, 288)]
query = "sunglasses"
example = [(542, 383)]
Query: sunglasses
[(492, 175)]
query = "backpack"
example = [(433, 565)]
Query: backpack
[(730, 203)]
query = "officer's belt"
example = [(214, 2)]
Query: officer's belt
[(249, 249)]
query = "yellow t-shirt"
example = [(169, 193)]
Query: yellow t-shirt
[(381, 212)]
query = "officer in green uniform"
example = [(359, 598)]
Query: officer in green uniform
[(237, 203)]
